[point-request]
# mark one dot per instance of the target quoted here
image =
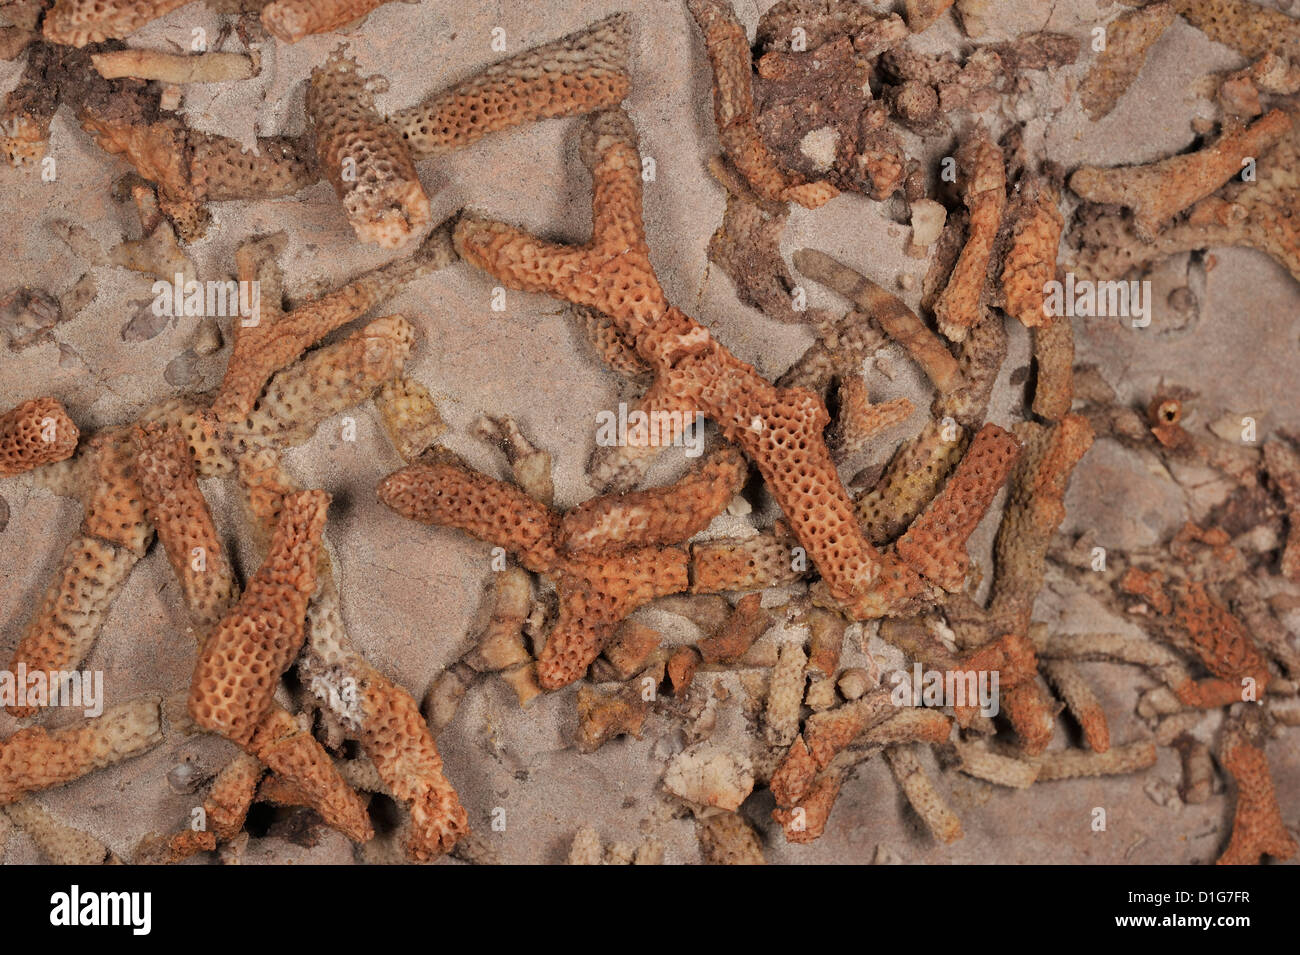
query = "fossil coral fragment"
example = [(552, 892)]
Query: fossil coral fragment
[(34, 433), (983, 177), (576, 74), (174, 68), (266, 626), (935, 543), (1249, 28), (733, 110), (180, 515), (1030, 263), (35, 758), (898, 321), (364, 157), (1128, 38), (79, 22), (1257, 827), (925, 799), (73, 609), (1160, 190), (292, 20)]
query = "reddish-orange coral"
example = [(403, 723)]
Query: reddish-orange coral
[(265, 627), (984, 183), (1030, 263), (291, 20), (78, 22), (1188, 616), (180, 516), (34, 433), (35, 758), (779, 429), (1257, 827), (935, 543), (1159, 191), (626, 560), (578, 73), (363, 156)]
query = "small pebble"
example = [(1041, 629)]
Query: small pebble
[(181, 372), (854, 682)]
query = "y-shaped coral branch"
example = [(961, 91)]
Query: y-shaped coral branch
[(780, 429)]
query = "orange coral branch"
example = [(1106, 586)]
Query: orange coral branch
[(265, 627), (36, 432), (779, 429)]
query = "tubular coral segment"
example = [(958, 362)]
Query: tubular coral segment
[(733, 110), (898, 321), (925, 799), (65, 626), (935, 543), (266, 626), (363, 157), (291, 20), (1158, 191), (269, 342), (1249, 28), (645, 517), (1034, 511), (1127, 40), (780, 430), (34, 758), (747, 563), (222, 168), (910, 481), (410, 417), (1036, 224), (397, 740), (288, 749), (36, 432), (1082, 702), (597, 588), (327, 381), (579, 73), (1074, 763), (78, 22), (1257, 826), (179, 513), (1054, 360), (979, 162)]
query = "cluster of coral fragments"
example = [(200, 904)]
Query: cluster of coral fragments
[(827, 98)]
